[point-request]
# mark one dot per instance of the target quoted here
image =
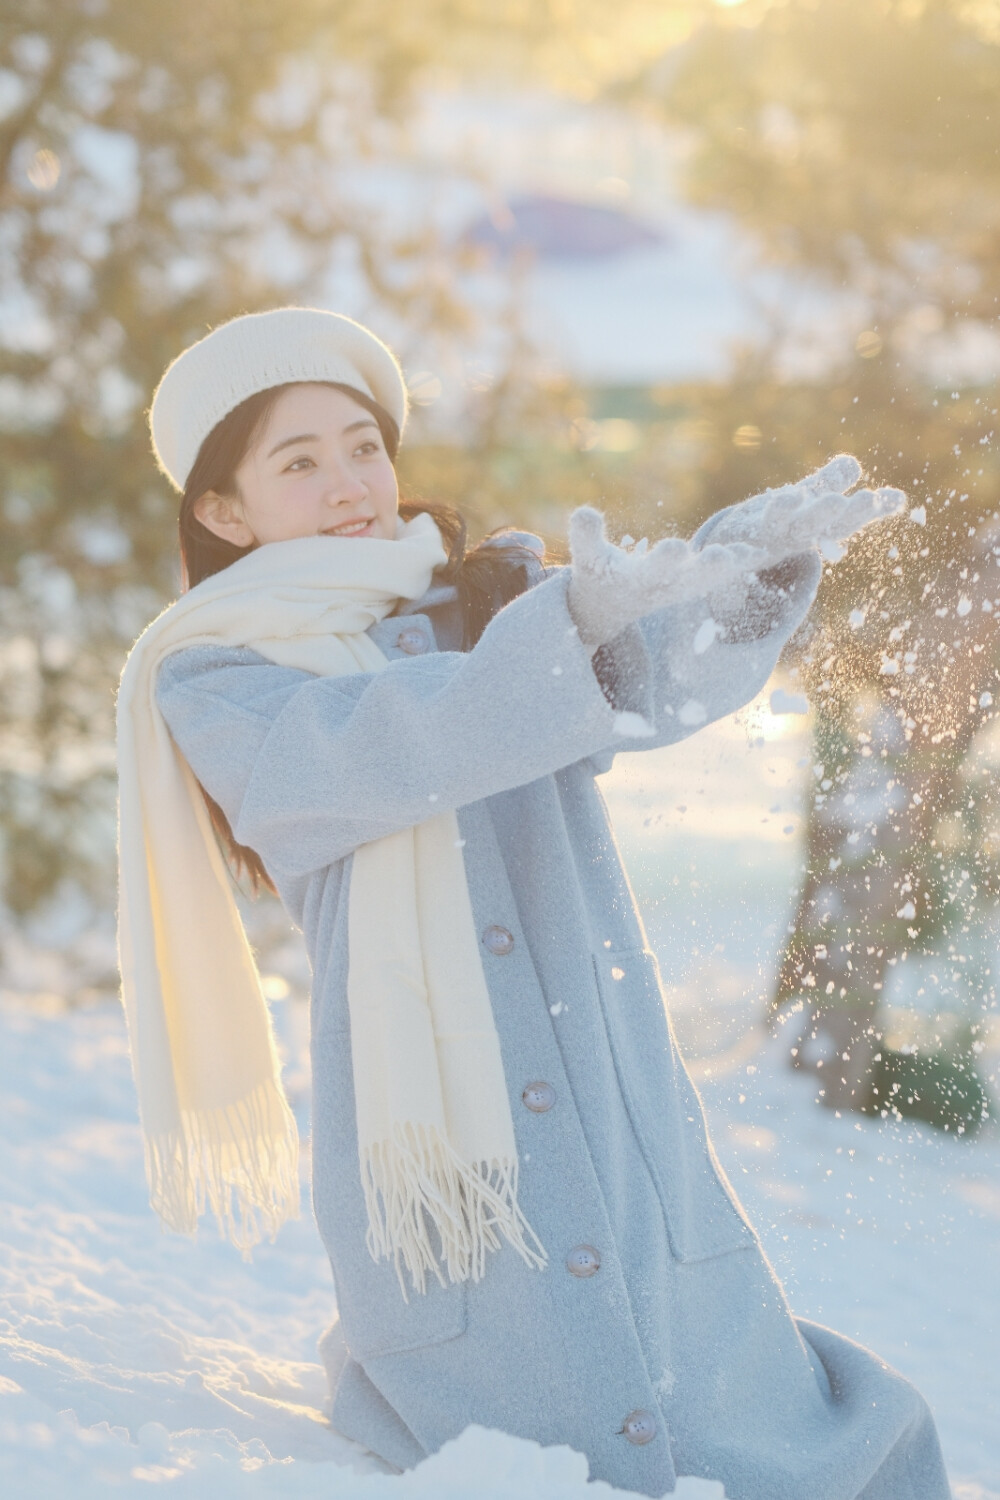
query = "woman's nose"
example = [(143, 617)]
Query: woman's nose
[(345, 489)]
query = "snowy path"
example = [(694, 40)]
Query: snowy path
[(173, 1363)]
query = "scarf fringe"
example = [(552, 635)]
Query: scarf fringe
[(241, 1160), (416, 1180)]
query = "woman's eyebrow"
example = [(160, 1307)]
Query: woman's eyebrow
[(302, 437), (312, 437)]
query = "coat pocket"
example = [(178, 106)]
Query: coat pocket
[(375, 1316), (377, 1321), (703, 1216)]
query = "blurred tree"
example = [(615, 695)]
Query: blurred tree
[(856, 141), (163, 167), (158, 172)]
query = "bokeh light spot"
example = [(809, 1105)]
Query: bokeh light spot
[(747, 439), (44, 169)]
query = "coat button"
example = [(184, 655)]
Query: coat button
[(498, 940), (412, 641), (639, 1428), (584, 1261), (538, 1097)]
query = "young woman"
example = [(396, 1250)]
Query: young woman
[(527, 1224)]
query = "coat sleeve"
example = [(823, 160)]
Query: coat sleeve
[(683, 667), (306, 768)]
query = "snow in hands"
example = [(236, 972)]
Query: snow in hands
[(815, 512), (611, 588)]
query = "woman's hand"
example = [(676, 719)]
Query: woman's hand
[(814, 513), (611, 588)]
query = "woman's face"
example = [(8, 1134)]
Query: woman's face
[(318, 468)]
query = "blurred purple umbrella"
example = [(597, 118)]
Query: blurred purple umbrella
[(558, 229)]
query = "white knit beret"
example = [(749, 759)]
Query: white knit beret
[(253, 353)]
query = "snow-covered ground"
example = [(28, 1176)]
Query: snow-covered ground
[(130, 1359)]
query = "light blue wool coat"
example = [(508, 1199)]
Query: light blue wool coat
[(684, 1319)]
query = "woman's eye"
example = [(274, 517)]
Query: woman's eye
[(365, 450), (297, 464)]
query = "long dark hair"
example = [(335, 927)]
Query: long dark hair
[(485, 577)]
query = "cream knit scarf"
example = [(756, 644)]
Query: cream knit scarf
[(435, 1134)]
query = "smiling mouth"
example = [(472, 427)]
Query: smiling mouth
[(350, 528)]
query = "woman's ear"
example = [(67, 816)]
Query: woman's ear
[(223, 516)]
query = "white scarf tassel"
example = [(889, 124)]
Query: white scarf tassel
[(418, 1179), (241, 1161)]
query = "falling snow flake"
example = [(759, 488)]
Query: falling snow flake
[(788, 703), (632, 726), (832, 551), (706, 634)]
